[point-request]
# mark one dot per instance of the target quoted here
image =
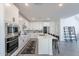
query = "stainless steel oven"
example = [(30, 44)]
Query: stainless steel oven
[(11, 45)]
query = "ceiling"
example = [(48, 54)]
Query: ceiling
[(47, 11)]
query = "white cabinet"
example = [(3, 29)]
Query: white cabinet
[(42, 45), (23, 39), (45, 45)]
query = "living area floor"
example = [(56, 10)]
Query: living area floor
[(68, 48)]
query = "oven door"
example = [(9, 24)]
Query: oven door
[(11, 45)]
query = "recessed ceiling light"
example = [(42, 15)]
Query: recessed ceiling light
[(60, 5), (26, 4), (8, 4)]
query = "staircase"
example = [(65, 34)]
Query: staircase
[(69, 33)]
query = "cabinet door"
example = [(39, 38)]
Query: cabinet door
[(43, 45)]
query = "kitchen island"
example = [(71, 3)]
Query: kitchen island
[(45, 44)]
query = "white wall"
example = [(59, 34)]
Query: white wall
[(2, 31), (22, 21), (10, 13), (57, 27), (71, 21)]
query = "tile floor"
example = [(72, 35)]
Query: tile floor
[(68, 49)]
